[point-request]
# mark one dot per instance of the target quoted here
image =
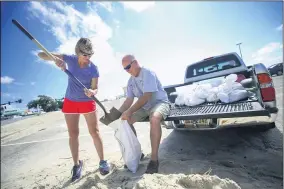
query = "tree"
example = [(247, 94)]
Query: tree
[(47, 103), (59, 103)]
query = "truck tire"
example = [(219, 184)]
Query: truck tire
[(279, 73), (264, 128), (168, 125)]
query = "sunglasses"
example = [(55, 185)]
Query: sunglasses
[(85, 54), (129, 65)]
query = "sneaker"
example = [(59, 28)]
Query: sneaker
[(76, 171), (142, 156), (152, 167), (104, 167)]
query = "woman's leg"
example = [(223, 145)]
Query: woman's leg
[(92, 122), (72, 121)]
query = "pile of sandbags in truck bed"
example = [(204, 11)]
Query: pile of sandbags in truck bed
[(226, 90)]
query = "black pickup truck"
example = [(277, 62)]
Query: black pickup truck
[(258, 110)]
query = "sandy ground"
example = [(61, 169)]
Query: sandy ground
[(35, 154)]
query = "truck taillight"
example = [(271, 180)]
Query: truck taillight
[(266, 87)]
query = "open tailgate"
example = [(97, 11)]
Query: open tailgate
[(218, 110)]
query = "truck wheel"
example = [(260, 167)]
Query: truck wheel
[(168, 125), (264, 128)]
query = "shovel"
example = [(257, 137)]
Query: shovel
[(109, 117)]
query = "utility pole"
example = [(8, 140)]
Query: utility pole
[(239, 44)]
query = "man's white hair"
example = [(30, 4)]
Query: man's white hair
[(130, 56)]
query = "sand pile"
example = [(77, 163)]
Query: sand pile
[(194, 181)]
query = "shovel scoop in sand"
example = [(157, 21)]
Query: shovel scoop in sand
[(113, 115), (109, 117)]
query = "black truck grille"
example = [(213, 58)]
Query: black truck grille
[(240, 109)]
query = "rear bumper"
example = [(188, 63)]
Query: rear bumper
[(223, 123)]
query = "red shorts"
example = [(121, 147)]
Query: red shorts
[(73, 107)]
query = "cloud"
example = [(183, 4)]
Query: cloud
[(5, 94), (33, 83), (7, 80), (67, 26), (269, 54), (106, 5), (280, 28), (138, 6)]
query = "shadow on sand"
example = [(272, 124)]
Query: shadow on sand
[(240, 154)]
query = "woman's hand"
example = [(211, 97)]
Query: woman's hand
[(60, 63), (90, 92)]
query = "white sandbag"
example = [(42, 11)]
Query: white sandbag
[(225, 88), (194, 101), (180, 101), (238, 95), (231, 78), (224, 97), (216, 83), (129, 146), (213, 95), (237, 86), (202, 90)]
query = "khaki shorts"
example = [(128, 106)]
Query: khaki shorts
[(142, 114)]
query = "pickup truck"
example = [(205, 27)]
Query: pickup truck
[(259, 110)]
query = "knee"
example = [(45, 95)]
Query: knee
[(94, 132), (73, 134), (155, 120)]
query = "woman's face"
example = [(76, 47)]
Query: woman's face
[(84, 58)]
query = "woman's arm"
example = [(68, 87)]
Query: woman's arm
[(44, 56), (94, 88), (94, 83), (59, 59)]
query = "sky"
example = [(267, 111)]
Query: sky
[(164, 36)]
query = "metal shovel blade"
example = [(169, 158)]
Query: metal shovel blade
[(113, 115)]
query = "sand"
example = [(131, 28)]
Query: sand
[(223, 160)]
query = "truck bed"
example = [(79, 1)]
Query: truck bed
[(217, 110)]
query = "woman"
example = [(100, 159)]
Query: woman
[(77, 101)]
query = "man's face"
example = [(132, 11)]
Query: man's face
[(129, 65)]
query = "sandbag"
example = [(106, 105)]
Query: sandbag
[(213, 95), (193, 100), (202, 90), (129, 146), (238, 95)]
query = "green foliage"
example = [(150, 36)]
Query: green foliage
[(47, 103)]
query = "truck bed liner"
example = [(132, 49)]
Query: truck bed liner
[(218, 110)]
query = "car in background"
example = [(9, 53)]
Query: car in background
[(276, 69)]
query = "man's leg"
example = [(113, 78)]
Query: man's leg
[(155, 134), (158, 113), (140, 115)]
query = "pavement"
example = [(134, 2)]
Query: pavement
[(253, 160)]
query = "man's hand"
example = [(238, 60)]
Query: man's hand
[(89, 92), (60, 63), (126, 115)]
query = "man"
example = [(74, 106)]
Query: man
[(152, 102)]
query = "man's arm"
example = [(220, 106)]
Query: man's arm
[(141, 102), (126, 104)]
